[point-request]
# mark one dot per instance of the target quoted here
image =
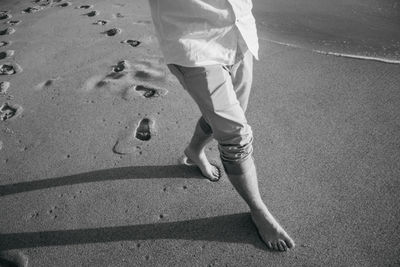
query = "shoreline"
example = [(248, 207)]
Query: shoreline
[(337, 54)]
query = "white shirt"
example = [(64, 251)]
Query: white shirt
[(204, 32)]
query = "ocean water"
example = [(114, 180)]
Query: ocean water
[(365, 29)]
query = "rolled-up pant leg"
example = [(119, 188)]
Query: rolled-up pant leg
[(212, 89)]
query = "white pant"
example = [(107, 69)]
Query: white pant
[(222, 94)]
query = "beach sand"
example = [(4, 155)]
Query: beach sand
[(93, 128)]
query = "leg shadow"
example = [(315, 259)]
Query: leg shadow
[(235, 228), (135, 172)]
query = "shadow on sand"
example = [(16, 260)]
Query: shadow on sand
[(134, 172), (234, 228)]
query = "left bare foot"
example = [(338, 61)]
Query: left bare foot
[(200, 160)]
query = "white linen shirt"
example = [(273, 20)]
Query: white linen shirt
[(204, 32)]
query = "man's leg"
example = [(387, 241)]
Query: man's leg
[(241, 74), (203, 134), (211, 88), (271, 232), (195, 150), (246, 184)]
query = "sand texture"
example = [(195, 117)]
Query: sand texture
[(93, 127)]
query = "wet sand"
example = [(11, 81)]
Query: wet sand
[(90, 150), (363, 29)]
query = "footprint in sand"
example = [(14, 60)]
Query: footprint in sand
[(4, 87), (92, 13), (9, 69), (120, 70), (148, 92), (143, 131), (100, 22), (66, 4), (7, 31), (13, 22), (9, 111), (133, 43), (4, 15), (85, 7), (101, 83), (32, 9), (4, 43), (122, 65), (6, 54), (112, 32), (47, 83)]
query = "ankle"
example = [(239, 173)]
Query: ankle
[(258, 207)]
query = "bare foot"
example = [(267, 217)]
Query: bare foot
[(273, 235), (200, 160)]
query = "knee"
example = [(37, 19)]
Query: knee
[(236, 148), (236, 156)]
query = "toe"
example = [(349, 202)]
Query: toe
[(269, 245), (290, 243), (216, 174), (282, 245), (275, 246), (214, 178)]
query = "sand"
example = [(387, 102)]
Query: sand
[(91, 142)]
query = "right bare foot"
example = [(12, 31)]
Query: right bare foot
[(200, 160), (273, 235)]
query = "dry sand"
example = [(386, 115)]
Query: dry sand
[(79, 186)]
